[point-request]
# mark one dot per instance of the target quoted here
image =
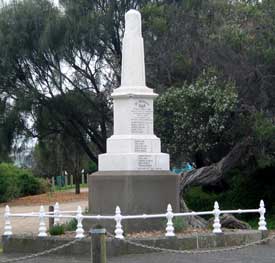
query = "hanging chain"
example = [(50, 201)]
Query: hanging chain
[(43, 253), (138, 244), (165, 250)]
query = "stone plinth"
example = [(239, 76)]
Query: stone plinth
[(136, 193)]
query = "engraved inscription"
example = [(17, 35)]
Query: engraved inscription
[(142, 117), (145, 162), (140, 146)]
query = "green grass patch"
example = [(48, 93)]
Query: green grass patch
[(57, 230), (179, 224), (60, 229), (71, 225), (269, 219), (67, 187)]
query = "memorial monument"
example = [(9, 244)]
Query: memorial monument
[(134, 174)]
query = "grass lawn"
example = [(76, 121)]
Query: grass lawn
[(68, 187), (270, 219)]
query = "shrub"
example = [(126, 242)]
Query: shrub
[(179, 224), (57, 230), (199, 200), (71, 225), (29, 185), (8, 189), (16, 182)]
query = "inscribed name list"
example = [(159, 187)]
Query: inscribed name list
[(142, 116)]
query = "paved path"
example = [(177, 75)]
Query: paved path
[(258, 254), (29, 225)]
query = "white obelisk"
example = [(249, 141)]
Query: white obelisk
[(133, 147)]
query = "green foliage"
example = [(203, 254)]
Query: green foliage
[(29, 185), (182, 38), (194, 117), (179, 224), (71, 225), (91, 167), (60, 229), (68, 187), (270, 219), (16, 182), (241, 189), (264, 134), (199, 200), (197, 112), (57, 230)]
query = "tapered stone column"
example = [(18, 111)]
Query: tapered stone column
[(134, 174)]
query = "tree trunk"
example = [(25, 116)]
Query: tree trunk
[(215, 172), (77, 183), (212, 174)]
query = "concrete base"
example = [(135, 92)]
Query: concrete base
[(136, 193), (30, 244)]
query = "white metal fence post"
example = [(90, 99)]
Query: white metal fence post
[(56, 214), (118, 230), (7, 227), (262, 222), (42, 226), (79, 218), (216, 225), (170, 227)]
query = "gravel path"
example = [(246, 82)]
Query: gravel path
[(29, 225)]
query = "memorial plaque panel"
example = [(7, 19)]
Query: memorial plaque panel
[(145, 162), (142, 117), (143, 146)]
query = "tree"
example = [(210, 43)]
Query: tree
[(193, 119), (11, 125), (55, 155), (39, 43), (58, 67)]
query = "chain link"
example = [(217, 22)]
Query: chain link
[(166, 250), (137, 244), (43, 253)]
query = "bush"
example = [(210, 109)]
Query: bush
[(30, 185), (16, 182), (179, 224), (199, 200), (71, 225), (8, 189), (243, 190), (57, 230)]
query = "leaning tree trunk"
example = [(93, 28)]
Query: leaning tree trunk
[(215, 172), (212, 174)]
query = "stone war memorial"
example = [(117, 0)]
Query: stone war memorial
[(134, 174)]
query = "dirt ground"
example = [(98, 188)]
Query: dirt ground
[(49, 198), (68, 201)]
